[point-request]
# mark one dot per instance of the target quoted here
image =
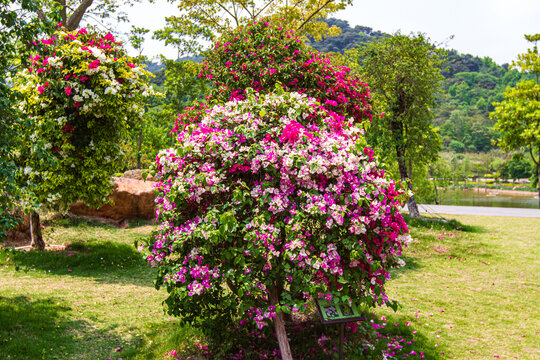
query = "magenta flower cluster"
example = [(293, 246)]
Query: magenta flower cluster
[(260, 56)]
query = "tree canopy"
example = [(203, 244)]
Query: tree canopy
[(404, 75), (518, 116), (303, 16)]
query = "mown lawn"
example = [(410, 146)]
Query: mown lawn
[(469, 291)]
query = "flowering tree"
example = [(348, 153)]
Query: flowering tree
[(268, 203), (80, 92), (260, 55)]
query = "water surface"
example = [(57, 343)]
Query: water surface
[(481, 198)]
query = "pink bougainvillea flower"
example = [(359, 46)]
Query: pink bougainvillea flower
[(291, 132), (130, 65), (94, 64), (68, 90), (109, 37)]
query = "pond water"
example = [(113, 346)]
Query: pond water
[(481, 198)]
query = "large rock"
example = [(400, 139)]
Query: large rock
[(132, 199)]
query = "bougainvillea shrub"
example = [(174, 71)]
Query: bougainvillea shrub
[(80, 93), (260, 55), (268, 203)]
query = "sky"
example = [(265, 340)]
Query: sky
[(492, 28)]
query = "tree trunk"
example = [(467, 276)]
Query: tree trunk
[(436, 193), (63, 11), (279, 325), (139, 148), (75, 19), (35, 232), (538, 169), (411, 201)]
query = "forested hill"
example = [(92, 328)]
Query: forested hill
[(471, 85), (348, 39)]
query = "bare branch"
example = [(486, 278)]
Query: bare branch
[(314, 13), (249, 13), (228, 12), (265, 6), (210, 18)]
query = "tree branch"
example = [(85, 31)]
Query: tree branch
[(247, 10), (314, 13), (208, 17), (532, 156), (264, 7), (228, 12), (75, 18)]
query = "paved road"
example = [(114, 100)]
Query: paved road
[(478, 210)]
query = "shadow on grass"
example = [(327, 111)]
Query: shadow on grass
[(411, 264), (103, 261), (43, 329), (446, 239), (441, 224), (371, 339), (73, 221)]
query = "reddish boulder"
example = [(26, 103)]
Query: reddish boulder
[(132, 199)]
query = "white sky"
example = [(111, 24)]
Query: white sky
[(491, 28)]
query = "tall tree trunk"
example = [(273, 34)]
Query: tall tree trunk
[(139, 148), (35, 232), (63, 11), (75, 19), (402, 164), (436, 193), (279, 325)]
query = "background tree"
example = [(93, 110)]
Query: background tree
[(136, 39), (181, 81), (303, 16), (518, 116), (18, 27), (404, 75)]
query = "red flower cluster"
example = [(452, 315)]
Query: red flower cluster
[(260, 56)]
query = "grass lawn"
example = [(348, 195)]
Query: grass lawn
[(466, 293)]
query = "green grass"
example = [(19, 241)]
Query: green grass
[(97, 294), (86, 301), (483, 272)]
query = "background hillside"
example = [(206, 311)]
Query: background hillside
[(472, 84)]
